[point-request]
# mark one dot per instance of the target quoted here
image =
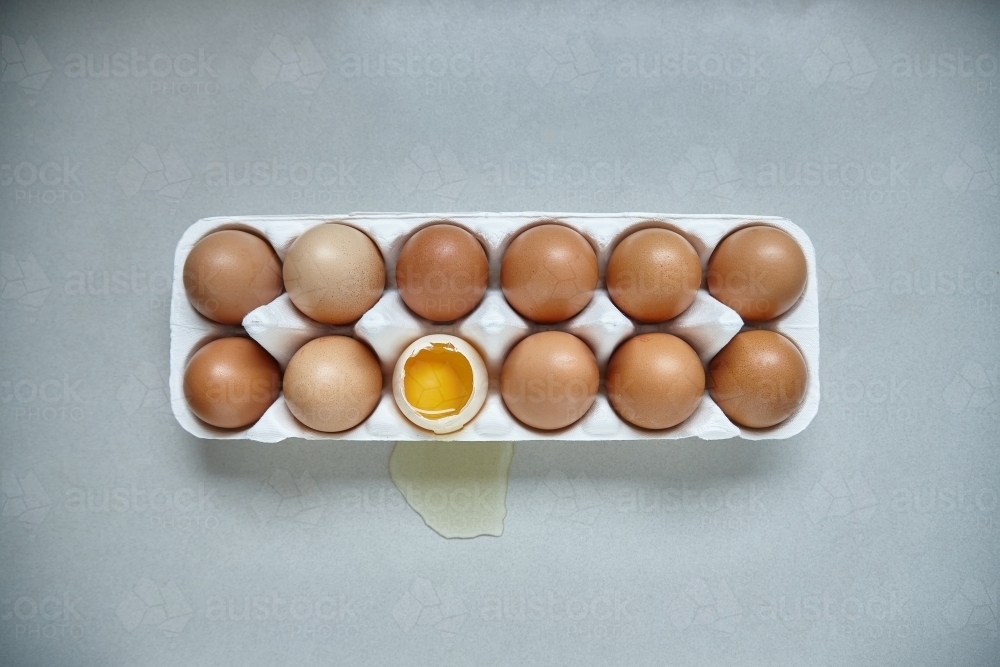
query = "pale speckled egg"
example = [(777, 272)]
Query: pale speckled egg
[(334, 273), (332, 383)]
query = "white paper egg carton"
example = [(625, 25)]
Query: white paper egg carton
[(493, 328)]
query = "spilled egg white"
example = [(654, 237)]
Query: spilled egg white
[(480, 384)]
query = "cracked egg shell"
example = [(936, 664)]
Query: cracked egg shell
[(440, 383)]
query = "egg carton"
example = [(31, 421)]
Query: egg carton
[(493, 327)]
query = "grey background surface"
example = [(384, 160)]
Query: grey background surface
[(871, 538)]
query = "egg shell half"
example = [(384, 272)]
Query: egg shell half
[(480, 384)]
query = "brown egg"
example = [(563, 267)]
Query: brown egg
[(549, 273), (442, 272), (549, 380), (757, 271), (758, 379), (333, 383), (655, 380), (653, 275), (231, 382), (229, 273), (334, 273)]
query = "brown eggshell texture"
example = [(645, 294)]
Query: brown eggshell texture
[(442, 272), (231, 382), (229, 273), (549, 380), (655, 380), (549, 273), (334, 273), (758, 379), (653, 275), (332, 383), (758, 271)]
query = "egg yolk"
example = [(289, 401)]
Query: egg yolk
[(437, 381)]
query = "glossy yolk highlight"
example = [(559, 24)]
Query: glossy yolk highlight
[(437, 381)]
